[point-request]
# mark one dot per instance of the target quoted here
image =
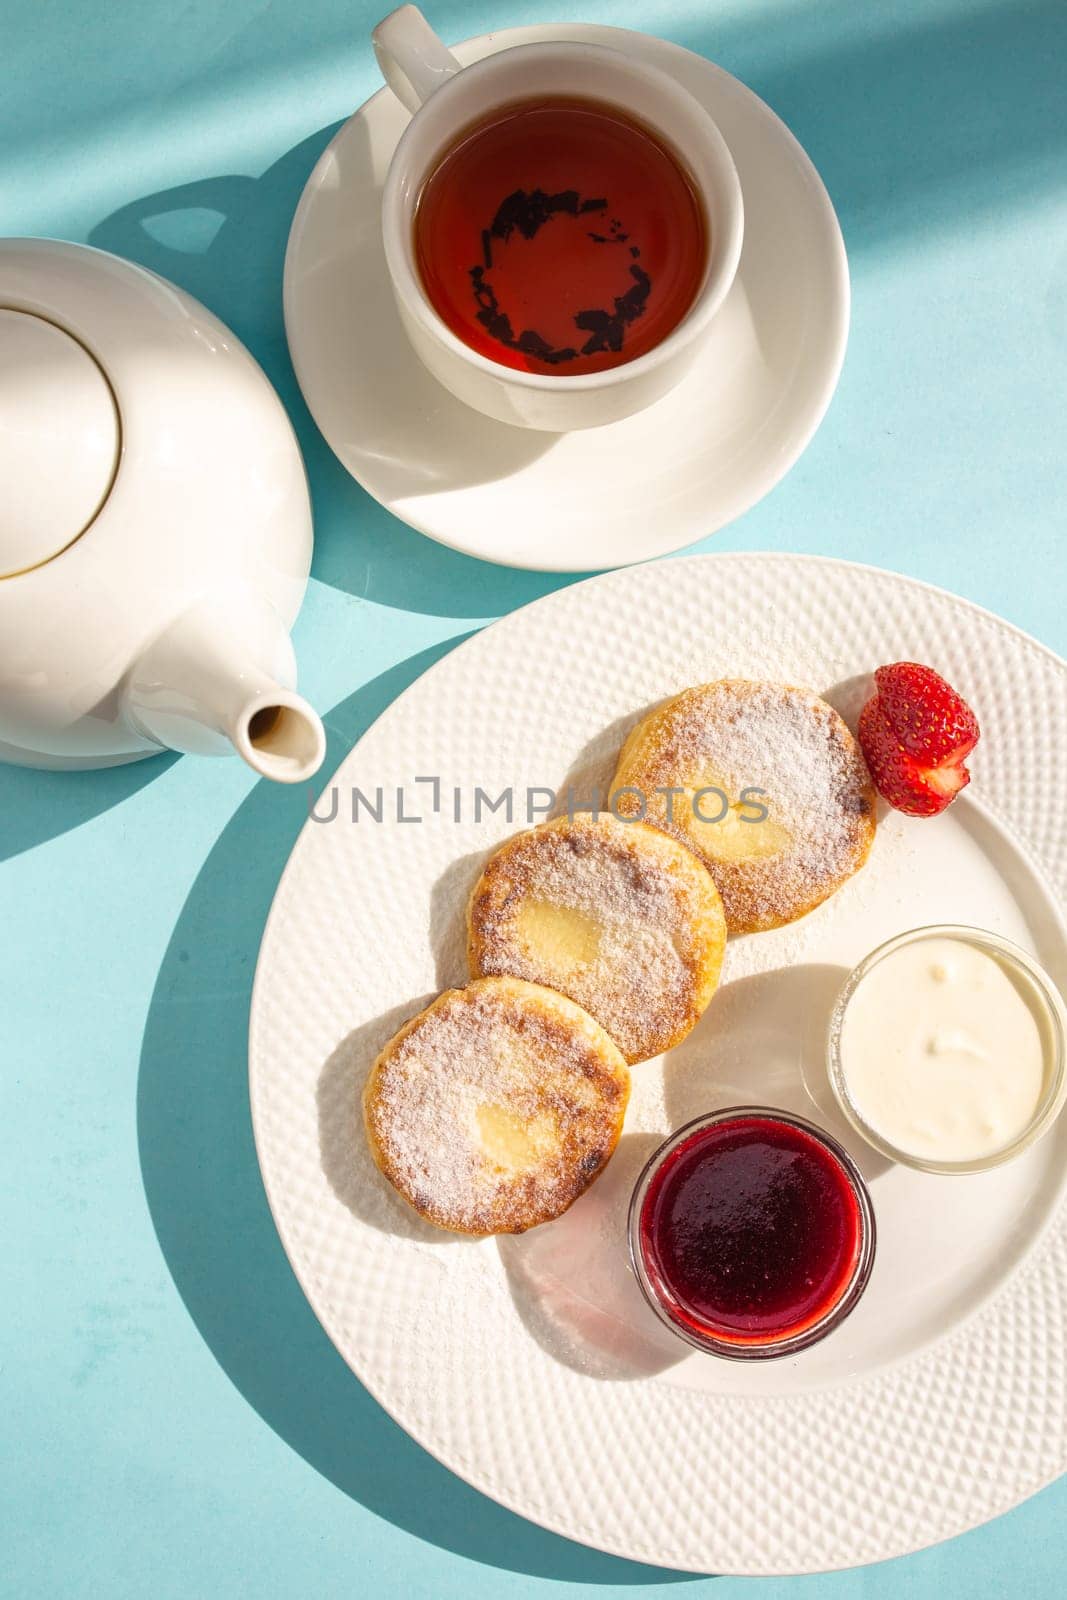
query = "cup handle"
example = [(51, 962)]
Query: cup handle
[(413, 60)]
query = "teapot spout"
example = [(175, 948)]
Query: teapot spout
[(223, 678), (281, 737)]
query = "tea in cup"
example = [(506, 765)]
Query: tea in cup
[(561, 224)]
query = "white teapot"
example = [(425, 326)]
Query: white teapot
[(155, 526)]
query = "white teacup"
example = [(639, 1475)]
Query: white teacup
[(445, 98)]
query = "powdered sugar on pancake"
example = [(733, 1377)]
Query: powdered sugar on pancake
[(782, 740), (658, 929), (499, 1049)]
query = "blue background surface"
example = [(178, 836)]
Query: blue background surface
[(175, 1424)]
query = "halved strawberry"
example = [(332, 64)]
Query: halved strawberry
[(914, 786), (931, 721)]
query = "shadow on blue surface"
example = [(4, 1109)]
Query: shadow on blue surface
[(211, 1217), (223, 240), (915, 120), (36, 805)]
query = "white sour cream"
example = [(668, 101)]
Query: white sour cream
[(944, 1050)]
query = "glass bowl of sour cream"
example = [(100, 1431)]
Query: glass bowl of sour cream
[(947, 1049)]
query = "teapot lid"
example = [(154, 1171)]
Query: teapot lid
[(59, 440)]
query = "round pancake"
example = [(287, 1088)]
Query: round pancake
[(496, 1107), (769, 746), (617, 916)]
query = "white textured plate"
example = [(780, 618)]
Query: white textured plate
[(530, 1365), (604, 496)]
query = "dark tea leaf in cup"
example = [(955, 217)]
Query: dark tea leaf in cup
[(560, 236)]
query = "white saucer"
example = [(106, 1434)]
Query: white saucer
[(607, 496)]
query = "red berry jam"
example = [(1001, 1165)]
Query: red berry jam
[(753, 1229)]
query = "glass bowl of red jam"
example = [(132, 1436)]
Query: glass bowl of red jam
[(751, 1233)]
